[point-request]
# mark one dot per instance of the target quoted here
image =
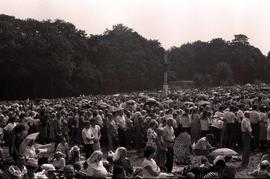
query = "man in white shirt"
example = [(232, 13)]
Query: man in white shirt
[(239, 117), (230, 118), (246, 135), (254, 121), (88, 139), (168, 137)]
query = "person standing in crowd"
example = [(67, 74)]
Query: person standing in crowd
[(161, 149), (229, 118), (216, 128), (168, 138), (186, 121), (239, 117), (195, 125), (182, 147), (122, 127), (151, 134), (138, 128), (205, 123), (246, 135), (96, 132), (254, 121), (263, 127), (112, 131), (88, 139)]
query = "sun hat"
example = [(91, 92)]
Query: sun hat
[(48, 167), (75, 148)]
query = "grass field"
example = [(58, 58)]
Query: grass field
[(241, 172)]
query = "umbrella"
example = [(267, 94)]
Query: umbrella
[(131, 102), (103, 104), (188, 103), (168, 101), (223, 152), (27, 140), (204, 103)]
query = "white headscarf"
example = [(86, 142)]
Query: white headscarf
[(119, 151)]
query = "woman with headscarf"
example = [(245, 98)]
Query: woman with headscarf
[(95, 166), (182, 147), (120, 160), (16, 138), (74, 154)]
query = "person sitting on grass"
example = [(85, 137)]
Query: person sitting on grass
[(203, 146), (150, 168), (262, 171)]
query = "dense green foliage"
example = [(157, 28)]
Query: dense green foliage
[(54, 59)]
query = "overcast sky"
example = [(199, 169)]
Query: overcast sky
[(172, 22)]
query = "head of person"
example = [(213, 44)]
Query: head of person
[(153, 124), (170, 122), (219, 163), (246, 114), (120, 154), (93, 122), (69, 172), (149, 152), (20, 131), (96, 157), (86, 125), (58, 155), (264, 165)]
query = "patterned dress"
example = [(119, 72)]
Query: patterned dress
[(151, 138), (182, 148)]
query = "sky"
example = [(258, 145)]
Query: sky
[(171, 22)]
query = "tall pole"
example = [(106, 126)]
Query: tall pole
[(165, 82)]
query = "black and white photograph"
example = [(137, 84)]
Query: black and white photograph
[(134, 89)]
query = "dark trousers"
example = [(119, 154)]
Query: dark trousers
[(237, 137), (255, 133), (122, 137), (230, 134), (88, 149), (169, 161), (246, 148), (216, 132), (204, 133)]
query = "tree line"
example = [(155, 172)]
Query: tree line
[(55, 59)]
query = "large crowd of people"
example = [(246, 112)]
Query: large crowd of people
[(90, 136)]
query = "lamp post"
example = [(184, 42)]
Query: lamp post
[(166, 67)]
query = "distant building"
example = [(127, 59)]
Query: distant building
[(181, 84)]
